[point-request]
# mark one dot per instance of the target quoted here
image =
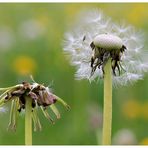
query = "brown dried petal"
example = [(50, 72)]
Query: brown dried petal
[(39, 102), (33, 95), (18, 92), (41, 98), (49, 98), (8, 96), (26, 85)]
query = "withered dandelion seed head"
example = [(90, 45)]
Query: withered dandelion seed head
[(40, 95)]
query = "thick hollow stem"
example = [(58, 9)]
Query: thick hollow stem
[(107, 113), (28, 121)]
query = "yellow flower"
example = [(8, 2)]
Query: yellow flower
[(144, 110), (24, 65), (144, 141), (138, 14), (131, 109)]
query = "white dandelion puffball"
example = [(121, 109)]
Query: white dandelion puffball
[(31, 29), (7, 38), (95, 38), (124, 137)]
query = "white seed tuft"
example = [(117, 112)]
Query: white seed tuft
[(95, 27)]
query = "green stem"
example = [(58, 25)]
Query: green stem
[(28, 121), (107, 113)]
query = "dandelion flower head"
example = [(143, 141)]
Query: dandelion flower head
[(94, 34), (40, 96)]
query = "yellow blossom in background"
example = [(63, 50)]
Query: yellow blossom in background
[(24, 65), (137, 14), (131, 109), (44, 20), (144, 141), (144, 110)]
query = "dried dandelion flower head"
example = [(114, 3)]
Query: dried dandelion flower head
[(96, 38), (41, 97)]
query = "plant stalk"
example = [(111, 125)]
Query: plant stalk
[(107, 112), (28, 121)]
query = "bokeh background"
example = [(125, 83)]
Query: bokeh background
[(31, 38)]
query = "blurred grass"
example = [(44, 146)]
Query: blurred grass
[(31, 43)]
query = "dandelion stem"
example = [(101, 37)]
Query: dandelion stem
[(107, 117), (28, 121)]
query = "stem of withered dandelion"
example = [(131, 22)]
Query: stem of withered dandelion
[(107, 113), (28, 121)]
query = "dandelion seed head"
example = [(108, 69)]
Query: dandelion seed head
[(31, 29), (94, 27), (124, 137)]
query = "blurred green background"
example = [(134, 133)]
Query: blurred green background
[(31, 38)]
